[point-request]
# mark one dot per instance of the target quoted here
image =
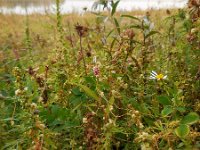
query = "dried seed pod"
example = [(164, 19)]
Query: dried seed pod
[(168, 12), (194, 6), (81, 30), (88, 54)]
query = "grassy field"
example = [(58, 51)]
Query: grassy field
[(110, 80)]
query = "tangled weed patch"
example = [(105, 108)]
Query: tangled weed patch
[(119, 82)]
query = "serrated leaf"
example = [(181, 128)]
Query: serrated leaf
[(191, 118), (166, 111), (182, 131), (164, 100)]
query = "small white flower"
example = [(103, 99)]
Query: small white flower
[(33, 105), (18, 92), (113, 71), (110, 121), (101, 94), (141, 126), (119, 78), (85, 120), (156, 76), (111, 108), (133, 116), (137, 112), (194, 30)]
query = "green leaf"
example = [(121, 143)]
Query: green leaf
[(182, 131), (164, 100), (113, 43), (151, 33), (110, 103), (100, 19), (191, 118), (181, 109), (88, 91), (110, 33), (136, 27), (76, 91), (166, 111), (131, 17), (117, 25), (114, 7)]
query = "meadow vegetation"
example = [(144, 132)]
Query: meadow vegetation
[(104, 80)]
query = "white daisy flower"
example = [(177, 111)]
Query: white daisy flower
[(156, 76)]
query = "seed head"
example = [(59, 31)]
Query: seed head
[(81, 30)]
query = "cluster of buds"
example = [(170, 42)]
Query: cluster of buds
[(40, 80), (19, 77), (194, 134), (143, 136), (192, 36), (146, 146), (116, 94), (110, 123), (174, 124), (197, 106), (20, 92), (193, 3), (34, 109), (136, 117), (96, 71), (121, 83), (21, 89), (128, 34), (39, 125), (101, 93)]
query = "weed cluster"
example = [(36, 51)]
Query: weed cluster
[(123, 82)]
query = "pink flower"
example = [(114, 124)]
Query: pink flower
[(96, 71)]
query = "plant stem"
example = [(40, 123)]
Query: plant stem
[(84, 63)]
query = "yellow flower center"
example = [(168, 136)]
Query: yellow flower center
[(159, 76)]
